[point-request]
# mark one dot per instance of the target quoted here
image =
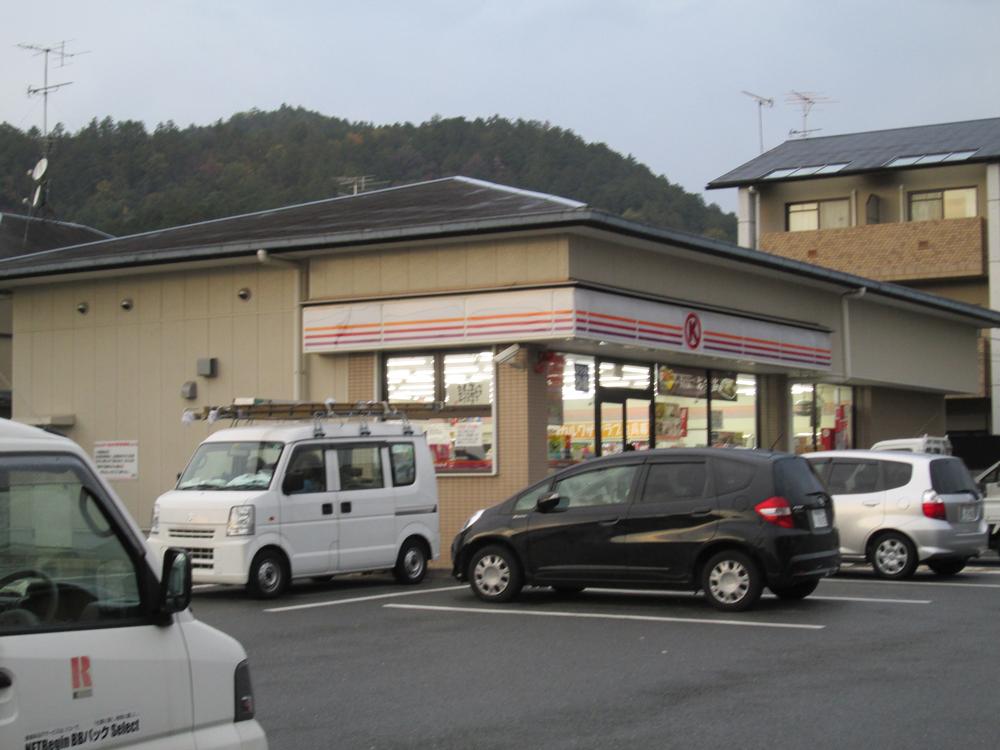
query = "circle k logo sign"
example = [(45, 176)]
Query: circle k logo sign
[(692, 331)]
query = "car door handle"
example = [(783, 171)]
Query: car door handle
[(871, 504), (345, 507), (701, 511), (5, 680), (327, 509), (608, 522)]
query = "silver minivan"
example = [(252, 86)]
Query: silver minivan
[(899, 510)]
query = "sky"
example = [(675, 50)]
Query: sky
[(658, 79)]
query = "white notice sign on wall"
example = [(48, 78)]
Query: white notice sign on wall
[(117, 459)]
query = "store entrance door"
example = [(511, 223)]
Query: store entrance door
[(623, 411)]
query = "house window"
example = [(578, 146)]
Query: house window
[(958, 203), (832, 214), (462, 438)]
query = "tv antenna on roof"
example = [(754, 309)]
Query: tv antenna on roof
[(762, 101), (806, 100), (59, 50)]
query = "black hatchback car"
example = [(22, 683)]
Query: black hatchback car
[(726, 521)]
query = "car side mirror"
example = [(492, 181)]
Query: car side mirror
[(293, 483), (175, 582), (548, 503)]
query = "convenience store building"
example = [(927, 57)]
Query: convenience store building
[(546, 331)]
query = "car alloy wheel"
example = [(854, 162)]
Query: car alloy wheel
[(492, 575), (729, 581), (894, 556)]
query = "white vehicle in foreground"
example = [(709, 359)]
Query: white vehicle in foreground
[(989, 481), (261, 505), (98, 648)]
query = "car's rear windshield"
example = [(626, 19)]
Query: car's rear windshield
[(796, 481), (949, 476)]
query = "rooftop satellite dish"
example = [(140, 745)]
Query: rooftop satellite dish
[(39, 171), (36, 199)]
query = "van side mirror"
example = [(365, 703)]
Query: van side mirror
[(547, 503), (175, 582), (293, 483)]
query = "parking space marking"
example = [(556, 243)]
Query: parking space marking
[(602, 616), (914, 583), (662, 592), (356, 599)]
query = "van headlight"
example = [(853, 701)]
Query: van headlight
[(241, 521), (154, 522), (472, 519)]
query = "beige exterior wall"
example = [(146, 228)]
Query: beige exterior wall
[(120, 373), (887, 413), (891, 188), (439, 268)]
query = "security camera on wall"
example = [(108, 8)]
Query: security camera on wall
[(505, 356)]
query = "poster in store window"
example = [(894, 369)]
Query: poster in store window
[(671, 421), (469, 435)]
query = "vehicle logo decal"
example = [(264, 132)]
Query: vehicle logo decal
[(82, 683)]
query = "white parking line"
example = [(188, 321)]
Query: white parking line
[(356, 599), (601, 616), (663, 592), (915, 583)]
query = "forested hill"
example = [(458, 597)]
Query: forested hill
[(122, 179)]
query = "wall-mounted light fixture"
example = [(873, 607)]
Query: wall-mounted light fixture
[(82, 308), (126, 304), (244, 293)]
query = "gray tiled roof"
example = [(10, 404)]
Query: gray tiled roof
[(23, 235), (865, 152)]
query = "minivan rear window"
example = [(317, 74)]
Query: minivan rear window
[(795, 481), (949, 476)]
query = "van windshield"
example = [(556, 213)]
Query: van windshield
[(231, 466)]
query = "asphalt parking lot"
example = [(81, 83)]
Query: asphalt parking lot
[(360, 662)]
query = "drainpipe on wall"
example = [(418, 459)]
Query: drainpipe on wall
[(845, 328), (300, 294)]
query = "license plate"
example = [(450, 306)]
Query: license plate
[(819, 519), (969, 513)]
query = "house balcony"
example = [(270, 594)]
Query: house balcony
[(905, 251)]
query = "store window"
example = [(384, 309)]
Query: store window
[(462, 383), (928, 205), (734, 410), (822, 416), (831, 214), (571, 383), (681, 408)]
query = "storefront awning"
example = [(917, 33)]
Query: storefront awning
[(558, 314)]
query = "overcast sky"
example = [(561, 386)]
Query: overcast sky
[(660, 80)]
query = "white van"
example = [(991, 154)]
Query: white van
[(97, 647), (262, 505), (938, 446)]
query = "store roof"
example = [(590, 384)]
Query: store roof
[(899, 148), (449, 207), (23, 235)]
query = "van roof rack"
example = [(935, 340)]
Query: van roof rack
[(253, 409)]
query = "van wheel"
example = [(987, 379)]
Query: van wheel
[(268, 577), (495, 574), (799, 590), (732, 581), (893, 556), (948, 567), (411, 565)]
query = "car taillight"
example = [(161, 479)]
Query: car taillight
[(776, 510), (933, 505)]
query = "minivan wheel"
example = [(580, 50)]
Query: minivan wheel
[(799, 590), (732, 581), (268, 576), (893, 556), (948, 566), (495, 574), (411, 565)]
